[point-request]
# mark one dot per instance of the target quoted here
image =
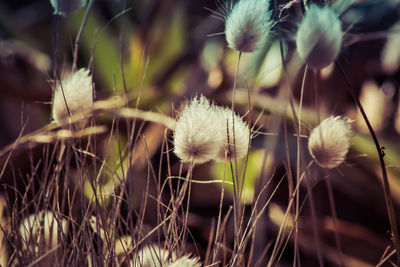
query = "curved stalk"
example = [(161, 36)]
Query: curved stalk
[(381, 154)]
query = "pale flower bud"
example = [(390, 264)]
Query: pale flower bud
[(248, 24), (329, 142), (78, 92), (319, 37), (236, 135)]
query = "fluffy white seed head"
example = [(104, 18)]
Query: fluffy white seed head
[(42, 230), (248, 24), (329, 142), (197, 136), (78, 92), (235, 143), (319, 37)]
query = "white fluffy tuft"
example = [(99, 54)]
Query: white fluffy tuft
[(319, 37), (78, 91), (329, 142), (248, 24), (238, 143), (196, 138)]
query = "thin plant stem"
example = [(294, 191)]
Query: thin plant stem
[(381, 154), (248, 148), (334, 220), (328, 182), (217, 232), (56, 71), (298, 135), (236, 197), (316, 94), (79, 36), (315, 229), (311, 199), (291, 103)]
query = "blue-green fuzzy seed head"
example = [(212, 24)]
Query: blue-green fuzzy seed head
[(319, 37), (67, 7), (248, 24)]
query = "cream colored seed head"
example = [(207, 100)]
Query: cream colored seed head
[(197, 136), (235, 133), (78, 92), (329, 142)]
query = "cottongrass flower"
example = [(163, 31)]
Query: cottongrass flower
[(319, 37), (196, 136), (78, 92), (154, 256), (247, 25), (236, 135), (329, 142)]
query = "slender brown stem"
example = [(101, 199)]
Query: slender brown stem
[(334, 219), (79, 36), (381, 154), (236, 195)]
